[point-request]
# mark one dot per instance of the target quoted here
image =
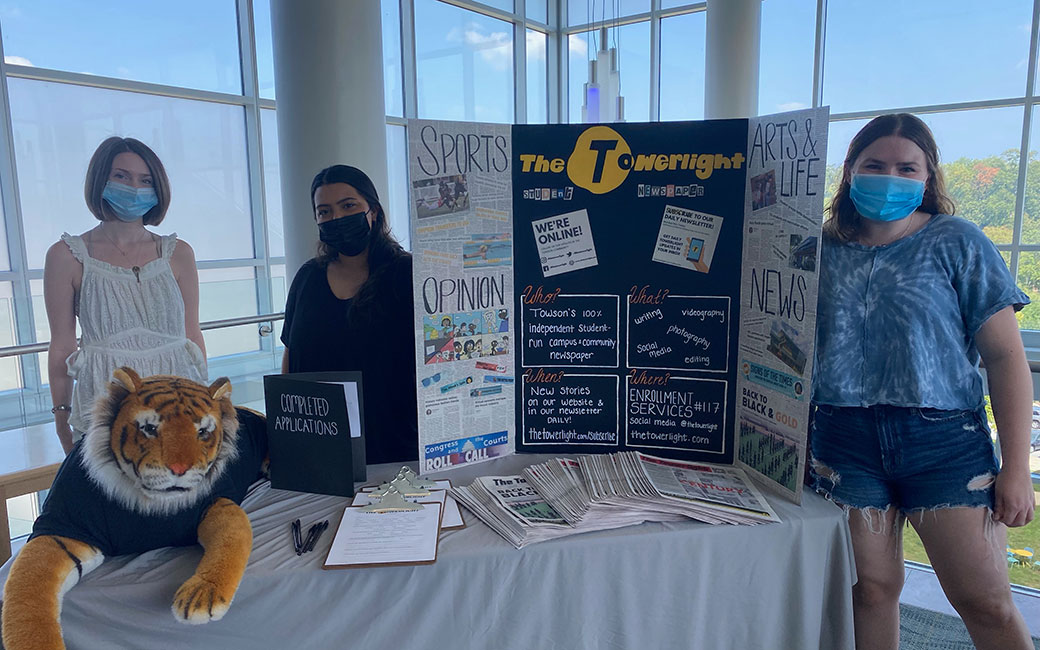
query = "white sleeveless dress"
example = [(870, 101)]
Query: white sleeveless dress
[(128, 319)]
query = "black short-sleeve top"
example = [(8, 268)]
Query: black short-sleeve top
[(323, 334), (79, 508)]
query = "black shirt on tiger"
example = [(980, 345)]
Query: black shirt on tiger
[(79, 508), (322, 334)]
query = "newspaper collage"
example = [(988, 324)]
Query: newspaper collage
[(783, 208), (461, 233)]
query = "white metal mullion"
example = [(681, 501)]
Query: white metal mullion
[(111, 83), (486, 10), (202, 265), (205, 265), (1023, 153), (408, 61), (931, 108), (401, 78), (686, 8), (818, 53), (25, 331), (555, 61), (563, 65), (255, 162), (621, 21), (409, 76), (628, 20), (655, 60), (520, 64), (611, 23)]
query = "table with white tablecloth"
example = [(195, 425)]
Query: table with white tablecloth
[(654, 586)]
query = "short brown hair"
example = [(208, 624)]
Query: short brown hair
[(844, 221), (100, 168)]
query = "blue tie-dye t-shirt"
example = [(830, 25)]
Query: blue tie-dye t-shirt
[(896, 324)]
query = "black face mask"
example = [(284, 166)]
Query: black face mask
[(349, 235)]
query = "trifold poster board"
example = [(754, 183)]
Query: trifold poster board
[(783, 207), (315, 431), (462, 248), (665, 280)]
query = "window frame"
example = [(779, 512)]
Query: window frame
[(556, 31), (31, 403)]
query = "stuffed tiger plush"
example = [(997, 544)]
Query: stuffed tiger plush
[(165, 463)]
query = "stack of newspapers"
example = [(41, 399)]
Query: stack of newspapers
[(565, 496)]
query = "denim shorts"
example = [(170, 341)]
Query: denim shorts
[(909, 458)]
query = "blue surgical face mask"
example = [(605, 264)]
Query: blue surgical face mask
[(129, 203), (885, 198)]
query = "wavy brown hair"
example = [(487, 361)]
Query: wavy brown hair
[(844, 221)]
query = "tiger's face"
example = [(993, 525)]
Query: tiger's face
[(158, 444)]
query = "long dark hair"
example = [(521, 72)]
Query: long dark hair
[(383, 249), (844, 221)]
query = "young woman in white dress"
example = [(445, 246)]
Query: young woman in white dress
[(136, 293)]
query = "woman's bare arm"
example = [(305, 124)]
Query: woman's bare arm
[(1011, 393), (62, 275), (187, 275)]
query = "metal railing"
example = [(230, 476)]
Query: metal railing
[(264, 330)]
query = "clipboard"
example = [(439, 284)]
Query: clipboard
[(449, 504), (344, 538)]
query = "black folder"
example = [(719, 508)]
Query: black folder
[(309, 432)]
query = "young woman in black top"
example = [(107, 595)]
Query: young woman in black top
[(350, 308)]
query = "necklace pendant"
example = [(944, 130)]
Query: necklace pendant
[(137, 273)]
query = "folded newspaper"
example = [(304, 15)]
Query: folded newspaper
[(563, 496)]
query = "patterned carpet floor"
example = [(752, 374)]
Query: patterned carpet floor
[(922, 629)]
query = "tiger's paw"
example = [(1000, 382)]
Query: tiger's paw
[(200, 601)]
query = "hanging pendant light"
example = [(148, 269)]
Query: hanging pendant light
[(603, 100)]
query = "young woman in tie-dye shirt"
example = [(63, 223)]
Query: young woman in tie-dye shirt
[(910, 298)]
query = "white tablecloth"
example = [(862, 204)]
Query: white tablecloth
[(649, 587)]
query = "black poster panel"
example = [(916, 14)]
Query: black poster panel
[(627, 268)]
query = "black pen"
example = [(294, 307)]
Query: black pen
[(297, 541), (321, 529), (310, 534)]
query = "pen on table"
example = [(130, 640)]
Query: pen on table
[(297, 537), (321, 529), (307, 540)]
